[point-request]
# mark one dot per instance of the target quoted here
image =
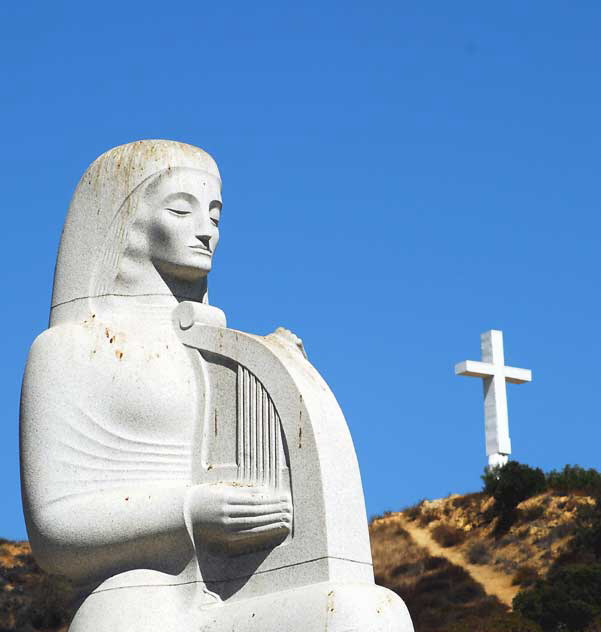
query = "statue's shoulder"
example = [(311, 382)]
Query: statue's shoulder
[(66, 344)]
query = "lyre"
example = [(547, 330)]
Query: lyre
[(270, 420)]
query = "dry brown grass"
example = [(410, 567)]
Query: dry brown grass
[(30, 600), (438, 592), (435, 591), (544, 526)]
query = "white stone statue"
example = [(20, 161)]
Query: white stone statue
[(184, 475)]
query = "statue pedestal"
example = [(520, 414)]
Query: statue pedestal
[(335, 607)]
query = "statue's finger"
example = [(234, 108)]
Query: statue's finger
[(235, 511), (251, 523), (250, 499), (276, 528)]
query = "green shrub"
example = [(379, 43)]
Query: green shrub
[(570, 596), (529, 481), (574, 478), (509, 485), (587, 534), (512, 483)]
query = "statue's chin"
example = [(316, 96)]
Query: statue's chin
[(183, 274)]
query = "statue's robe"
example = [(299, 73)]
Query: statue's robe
[(109, 425), (108, 420)]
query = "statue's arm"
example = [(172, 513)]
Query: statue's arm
[(97, 531)]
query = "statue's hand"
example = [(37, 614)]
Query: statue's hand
[(238, 518), (290, 338)]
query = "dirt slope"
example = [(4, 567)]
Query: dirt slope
[(485, 566), (495, 583), (436, 591)]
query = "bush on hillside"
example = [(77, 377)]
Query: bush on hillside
[(509, 485), (478, 553), (574, 478), (525, 575), (34, 600), (447, 535), (413, 511), (51, 604), (510, 622), (468, 501), (441, 593), (531, 481), (512, 483), (428, 515), (570, 596), (587, 535)]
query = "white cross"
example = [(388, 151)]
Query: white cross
[(494, 373)]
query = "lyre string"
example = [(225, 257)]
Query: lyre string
[(257, 433)]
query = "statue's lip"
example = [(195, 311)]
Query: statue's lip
[(201, 248)]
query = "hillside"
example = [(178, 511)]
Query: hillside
[(30, 600), (455, 561), (449, 562)]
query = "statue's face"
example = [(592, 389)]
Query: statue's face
[(183, 220)]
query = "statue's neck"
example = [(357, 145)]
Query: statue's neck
[(154, 315), (138, 275), (142, 297), (136, 313)]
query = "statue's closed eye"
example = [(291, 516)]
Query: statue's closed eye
[(176, 211), (215, 211)]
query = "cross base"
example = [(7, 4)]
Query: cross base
[(497, 460)]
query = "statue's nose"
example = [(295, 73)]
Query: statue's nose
[(205, 240), (202, 228)]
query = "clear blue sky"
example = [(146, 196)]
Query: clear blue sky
[(398, 178)]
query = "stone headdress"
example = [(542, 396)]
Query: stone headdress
[(102, 211)]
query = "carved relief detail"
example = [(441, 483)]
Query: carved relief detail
[(258, 441)]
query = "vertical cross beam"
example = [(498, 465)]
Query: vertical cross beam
[(496, 417), (494, 375)]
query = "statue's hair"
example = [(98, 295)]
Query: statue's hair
[(101, 283)]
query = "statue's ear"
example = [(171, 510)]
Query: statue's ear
[(289, 338)]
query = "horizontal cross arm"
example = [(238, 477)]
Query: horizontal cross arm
[(517, 376), (471, 368)]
